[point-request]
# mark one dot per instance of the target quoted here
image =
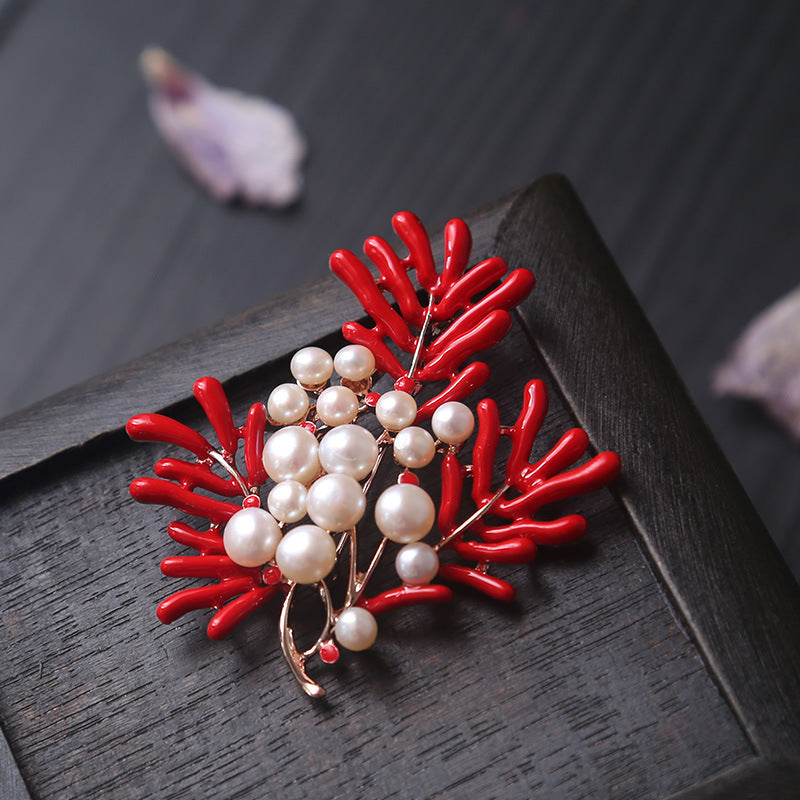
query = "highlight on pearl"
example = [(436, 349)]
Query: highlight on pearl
[(404, 513), (354, 362), (453, 423), (348, 450), (337, 405), (287, 501), (416, 563), (287, 403), (306, 554), (311, 367), (414, 447), (292, 454), (335, 502), (251, 537), (356, 629), (396, 410)]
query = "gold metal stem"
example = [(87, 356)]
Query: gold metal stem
[(482, 511)]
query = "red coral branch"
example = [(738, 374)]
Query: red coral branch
[(206, 542), (488, 584), (254, 443), (211, 396), (406, 596), (462, 327), (158, 428), (154, 490), (227, 618), (196, 475), (180, 603)]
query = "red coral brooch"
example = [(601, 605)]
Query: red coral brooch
[(318, 466)]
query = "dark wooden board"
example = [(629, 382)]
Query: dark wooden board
[(612, 675)]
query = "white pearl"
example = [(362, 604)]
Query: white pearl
[(335, 502), (337, 405), (291, 454), (453, 423), (251, 537), (396, 410), (348, 450), (414, 447), (416, 563), (287, 501), (306, 554), (354, 362), (404, 513), (356, 629), (287, 403), (311, 366)]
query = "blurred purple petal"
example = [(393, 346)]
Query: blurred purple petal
[(235, 145), (765, 362)]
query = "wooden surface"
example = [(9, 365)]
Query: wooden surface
[(677, 122), (658, 656)]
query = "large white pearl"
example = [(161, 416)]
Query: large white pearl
[(404, 513), (287, 403), (306, 554), (356, 629), (453, 422), (414, 447), (354, 362), (335, 502), (396, 410), (337, 405), (287, 501), (251, 537), (416, 563), (311, 366), (291, 454), (348, 450)]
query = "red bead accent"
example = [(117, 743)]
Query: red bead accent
[(251, 501), (329, 653), (372, 399), (408, 477), (271, 576), (405, 384), (309, 426)]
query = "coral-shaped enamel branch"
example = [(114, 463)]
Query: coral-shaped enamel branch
[(318, 465)]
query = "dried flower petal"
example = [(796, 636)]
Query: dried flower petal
[(765, 362), (235, 145)]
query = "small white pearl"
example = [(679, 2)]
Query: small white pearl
[(291, 454), (354, 362), (287, 403), (306, 554), (396, 410), (311, 366), (335, 502), (251, 537), (356, 629), (453, 423), (404, 513), (337, 405), (416, 563), (287, 501), (348, 450), (414, 447)]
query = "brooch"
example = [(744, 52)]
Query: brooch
[(323, 450)]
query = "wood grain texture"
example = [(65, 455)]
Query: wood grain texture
[(598, 682)]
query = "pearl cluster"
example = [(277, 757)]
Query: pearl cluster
[(318, 477)]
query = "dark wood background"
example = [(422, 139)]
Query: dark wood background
[(678, 123)]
